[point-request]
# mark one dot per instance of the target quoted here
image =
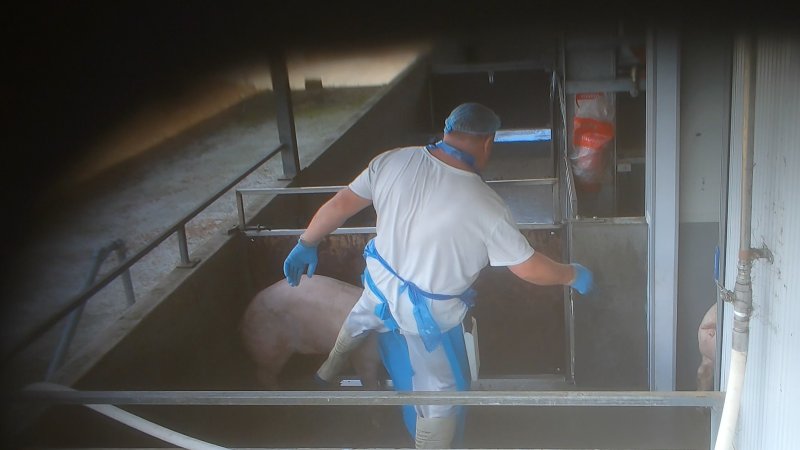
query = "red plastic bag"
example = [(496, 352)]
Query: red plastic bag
[(593, 131)]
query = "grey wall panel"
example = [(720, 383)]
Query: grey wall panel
[(704, 96), (696, 293), (611, 322)]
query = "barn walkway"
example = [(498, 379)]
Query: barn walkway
[(137, 200)]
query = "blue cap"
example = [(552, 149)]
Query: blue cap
[(472, 118)]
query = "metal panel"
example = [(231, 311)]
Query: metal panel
[(769, 413), (611, 322), (662, 202)]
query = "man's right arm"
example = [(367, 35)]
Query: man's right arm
[(333, 214)]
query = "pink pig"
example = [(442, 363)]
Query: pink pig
[(282, 320), (707, 344)]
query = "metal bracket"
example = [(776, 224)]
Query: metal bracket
[(726, 295), (761, 253)]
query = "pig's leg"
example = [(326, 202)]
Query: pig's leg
[(705, 375)]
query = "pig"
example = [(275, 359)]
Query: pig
[(282, 320), (707, 343)]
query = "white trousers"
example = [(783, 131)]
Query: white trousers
[(432, 371)]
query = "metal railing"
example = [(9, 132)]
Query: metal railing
[(179, 229), (701, 399), (100, 401), (71, 326), (260, 230)]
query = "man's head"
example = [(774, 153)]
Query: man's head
[(472, 118), (471, 127)]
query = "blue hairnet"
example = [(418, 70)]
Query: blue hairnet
[(472, 118)]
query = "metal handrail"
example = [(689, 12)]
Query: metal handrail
[(706, 399), (179, 227), (68, 333), (332, 189)]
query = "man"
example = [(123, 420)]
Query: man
[(438, 225)]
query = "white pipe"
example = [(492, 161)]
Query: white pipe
[(143, 425), (730, 412)]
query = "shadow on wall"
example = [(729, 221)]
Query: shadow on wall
[(164, 118)]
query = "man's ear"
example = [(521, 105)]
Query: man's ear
[(488, 142)]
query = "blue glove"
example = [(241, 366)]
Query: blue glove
[(302, 255), (584, 280)]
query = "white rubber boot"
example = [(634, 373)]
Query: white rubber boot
[(339, 355), (437, 432)]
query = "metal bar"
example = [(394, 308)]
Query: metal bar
[(601, 42), (612, 220), (78, 299), (618, 85), (284, 114), (446, 69), (725, 187), (183, 246), (240, 208), (661, 202), (706, 399), (332, 189), (264, 232), (68, 333), (292, 190), (127, 282), (526, 182)]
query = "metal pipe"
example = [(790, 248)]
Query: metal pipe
[(743, 300), (334, 189), (39, 392), (138, 423), (254, 232)]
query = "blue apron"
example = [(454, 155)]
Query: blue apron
[(394, 349)]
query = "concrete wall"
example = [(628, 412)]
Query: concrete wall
[(182, 336), (705, 90)]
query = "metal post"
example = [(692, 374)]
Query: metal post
[(661, 201), (71, 326), (184, 249), (127, 282), (240, 207), (284, 114)]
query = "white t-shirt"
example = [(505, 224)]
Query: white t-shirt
[(437, 227)]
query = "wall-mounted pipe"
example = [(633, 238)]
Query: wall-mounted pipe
[(743, 299), (138, 423)]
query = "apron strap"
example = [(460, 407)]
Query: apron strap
[(428, 329)]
